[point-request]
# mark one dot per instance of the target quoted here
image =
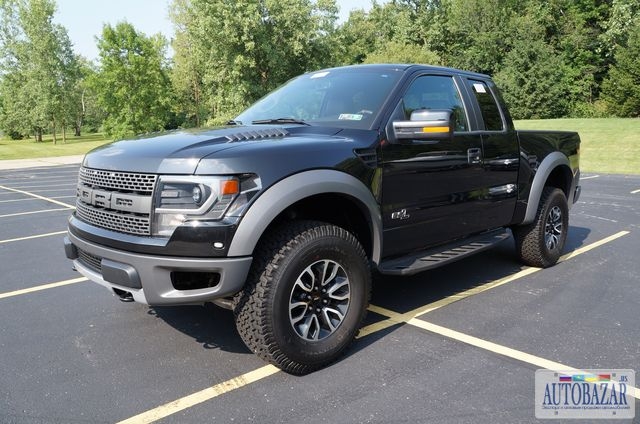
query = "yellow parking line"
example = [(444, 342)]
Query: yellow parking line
[(500, 349), (393, 318), (38, 197), (381, 325), (42, 287), (592, 246), (32, 212), (201, 396), (32, 237), (481, 343)]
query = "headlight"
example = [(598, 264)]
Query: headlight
[(180, 199)]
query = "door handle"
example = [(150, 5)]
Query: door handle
[(474, 155)]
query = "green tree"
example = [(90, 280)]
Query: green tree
[(398, 52), (400, 31), (532, 78), (132, 84), (84, 111), (188, 66), (475, 35), (240, 51), (621, 89), (37, 67)]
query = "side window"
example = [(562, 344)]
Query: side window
[(488, 106), (436, 92)]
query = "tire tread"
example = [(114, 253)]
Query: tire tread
[(251, 305)]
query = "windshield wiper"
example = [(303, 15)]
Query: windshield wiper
[(232, 122), (280, 121)]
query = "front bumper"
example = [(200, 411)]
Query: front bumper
[(150, 279)]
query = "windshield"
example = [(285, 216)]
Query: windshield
[(349, 98)]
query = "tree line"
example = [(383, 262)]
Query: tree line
[(552, 59)]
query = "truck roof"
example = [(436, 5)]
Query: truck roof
[(405, 67)]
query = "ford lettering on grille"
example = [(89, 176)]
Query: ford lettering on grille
[(118, 201), (114, 200)]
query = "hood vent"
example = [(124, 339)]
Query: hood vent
[(257, 134), (368, 156)]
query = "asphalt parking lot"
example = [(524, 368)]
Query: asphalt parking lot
[(459, 344)]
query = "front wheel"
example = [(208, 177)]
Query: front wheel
[(540, 243), (306, 296)]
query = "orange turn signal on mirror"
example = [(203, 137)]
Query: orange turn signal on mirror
[(229, 187), (435, 129)]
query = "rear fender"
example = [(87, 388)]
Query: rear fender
[(548, 165)]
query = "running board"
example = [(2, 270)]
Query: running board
[(441, 255)]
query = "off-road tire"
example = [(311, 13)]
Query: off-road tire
[(540, 243), (263, 310)]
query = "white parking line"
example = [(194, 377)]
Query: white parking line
[(57, 233), (35, 198), (17, 200), (589, 177), (53, 184), (635, 191), (49, 190), (32, 212), (48, 199)]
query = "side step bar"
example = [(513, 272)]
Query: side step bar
[(441, 255)]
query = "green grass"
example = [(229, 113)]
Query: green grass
[(609, 145), (29, 149)]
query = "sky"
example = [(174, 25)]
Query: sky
[(84, 19)]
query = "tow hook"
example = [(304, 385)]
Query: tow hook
[(124, 296)]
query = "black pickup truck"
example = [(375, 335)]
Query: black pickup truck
[(283, 214)]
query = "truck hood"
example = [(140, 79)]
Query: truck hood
[(179, 152)]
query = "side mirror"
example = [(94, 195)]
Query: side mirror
[(425, 125)]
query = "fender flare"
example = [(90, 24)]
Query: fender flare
[(296, 187), (548, 165)]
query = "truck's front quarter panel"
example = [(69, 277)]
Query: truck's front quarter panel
[(141, 235)]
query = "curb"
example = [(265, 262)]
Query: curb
[(40, 162)]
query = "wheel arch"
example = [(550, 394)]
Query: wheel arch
[(325, 195), (554, 171)]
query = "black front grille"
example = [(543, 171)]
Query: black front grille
[(90, 261), (123, 181), (112, 220), (103, 198)]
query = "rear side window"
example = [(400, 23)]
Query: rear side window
[(488, 106)]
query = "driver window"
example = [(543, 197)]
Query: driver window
[(436, 92)]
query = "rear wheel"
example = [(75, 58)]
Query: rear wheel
[(540, 243), (306, 296)]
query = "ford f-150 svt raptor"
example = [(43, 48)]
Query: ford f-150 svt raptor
[(283, 213)]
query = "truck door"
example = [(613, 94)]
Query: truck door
[(500, 153), (431, 189)]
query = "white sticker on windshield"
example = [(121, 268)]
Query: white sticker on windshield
[(319, 75), (480, 88), (350, 117)]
